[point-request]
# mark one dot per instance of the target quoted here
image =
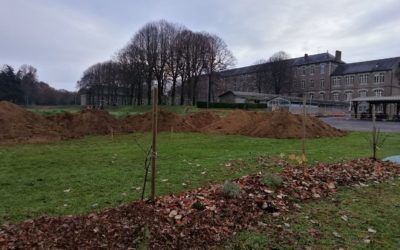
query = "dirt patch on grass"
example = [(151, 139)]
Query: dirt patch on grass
[(21, 126)]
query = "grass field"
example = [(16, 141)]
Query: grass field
[(122, 111), (77, 176), (342, 222)]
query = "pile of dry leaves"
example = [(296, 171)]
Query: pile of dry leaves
[(196, 219)]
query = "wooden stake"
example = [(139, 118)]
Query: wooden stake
[(374, 141), (154, 144), (303, 146)]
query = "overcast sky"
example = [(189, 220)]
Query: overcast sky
[(63, 38)]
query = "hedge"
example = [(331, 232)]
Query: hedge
[(232, 105)]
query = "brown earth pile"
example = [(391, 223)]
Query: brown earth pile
[(167, 121), (276, 124), (87, 122), (202, 119), (19, 125)]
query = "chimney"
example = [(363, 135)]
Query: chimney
[(306, 56), (338, 55)]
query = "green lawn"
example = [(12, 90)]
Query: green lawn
[(342, 222), (119, 111), (53, 110), (77, 176), (122, 111)]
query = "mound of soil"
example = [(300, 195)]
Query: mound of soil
[(275, 124), (167, 121), (201, 119), (18, 125), (234, 123), (283, 124), (87, 122)]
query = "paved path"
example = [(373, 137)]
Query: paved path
[(358, 125)]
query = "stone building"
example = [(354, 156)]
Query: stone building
[(321, 77)]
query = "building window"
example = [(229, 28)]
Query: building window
[(295, 72), (349, 95), (349, 80), (303, 84), (311, 83), (322, 68), (362, 93), (336, 81), (363, 78), (335, 97), (378, 92), (322, 96), (312, 70), (379, 77), (322, 83), (311, 96), (303, 70), (379, 108)]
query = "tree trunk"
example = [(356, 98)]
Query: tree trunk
[(173, 91), (209, 90)]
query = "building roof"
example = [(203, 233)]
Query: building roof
[(392, 99), (249, 95), (314, 59), (367, 66), (240, 71), (298, 61), (292, 99)]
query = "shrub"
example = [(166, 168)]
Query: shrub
[(272, 180), (198, 205), (230, 190)]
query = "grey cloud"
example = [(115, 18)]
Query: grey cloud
[(63, 38)]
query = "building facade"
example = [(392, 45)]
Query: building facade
[(320, 77)]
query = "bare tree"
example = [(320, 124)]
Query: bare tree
[(280, 72), (262, 75), (132, 73), (175, 61), (217, 57), (28, 78)]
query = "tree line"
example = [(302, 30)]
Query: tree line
[(169, 53), (23, 87)]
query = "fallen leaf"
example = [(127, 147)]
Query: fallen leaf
[(336, 234)]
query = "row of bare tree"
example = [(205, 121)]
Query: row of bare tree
[(171, 54), (23, 87)]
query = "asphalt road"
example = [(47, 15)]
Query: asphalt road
[(345, 123)]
